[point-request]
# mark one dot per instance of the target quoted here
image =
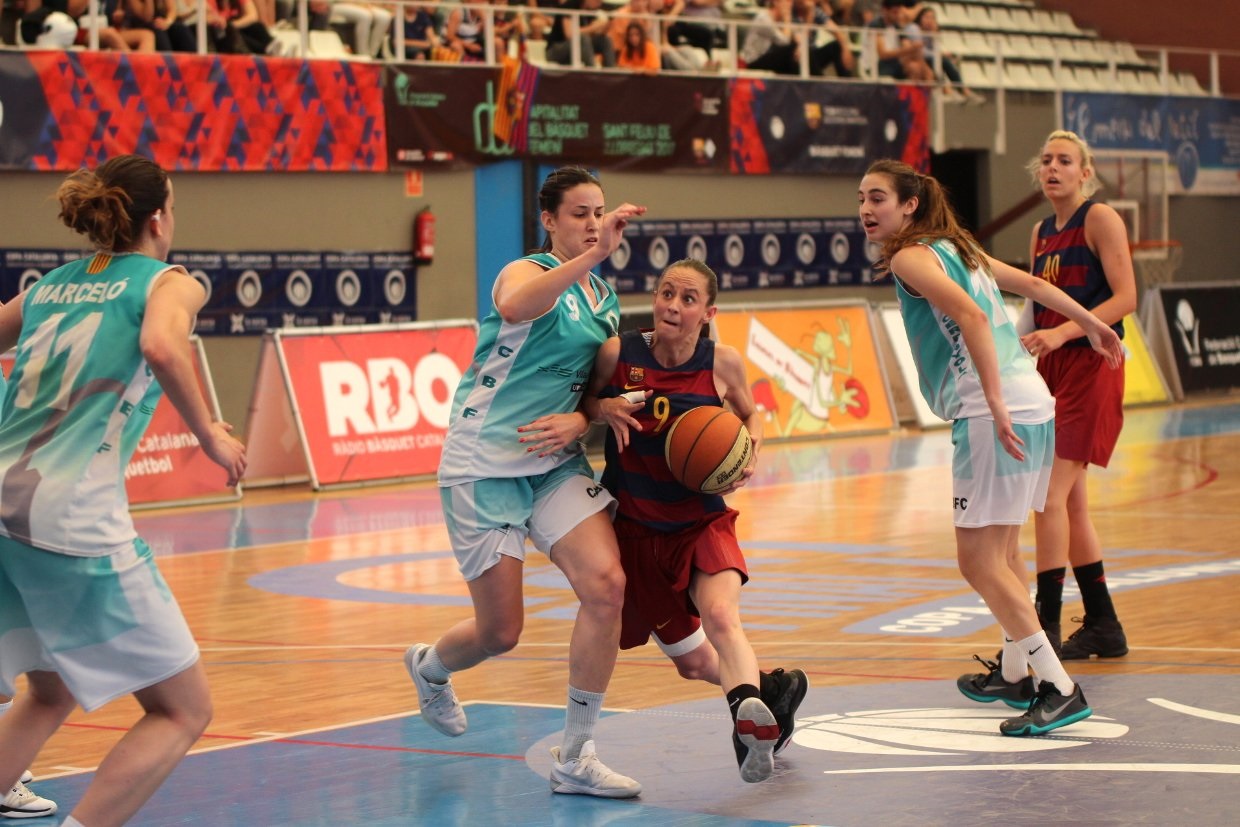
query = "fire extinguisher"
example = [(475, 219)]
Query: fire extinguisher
[(424, 236)]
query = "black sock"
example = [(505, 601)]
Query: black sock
[(1092, 582), (1049, 599), (738, 694)]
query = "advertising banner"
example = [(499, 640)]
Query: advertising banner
[(373, 403), (1196, 330), (458, 115), (21, 268), (201, 113), (1143, 382), (745, 253), (1200, 135), (169, 466), (825, 128), (813, 370)]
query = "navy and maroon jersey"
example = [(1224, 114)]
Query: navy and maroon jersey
[(639, 477), (1064, 259)]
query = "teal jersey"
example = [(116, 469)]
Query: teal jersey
[(79, 397), (521, 372), (948, 378)]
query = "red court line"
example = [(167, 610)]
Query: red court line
[(1211, 476)]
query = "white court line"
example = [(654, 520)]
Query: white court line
[(280, 736), (1225, 769), (1208, 714)]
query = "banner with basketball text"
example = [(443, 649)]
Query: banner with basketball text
[(62, 110), (460, 115), (373, 403), (783, 126), (814, 370)]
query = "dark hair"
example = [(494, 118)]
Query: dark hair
[(110, 204), (712, 281), (629, 51), (551, 195), (934, 217), (921, 14)]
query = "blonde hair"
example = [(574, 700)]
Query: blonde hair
[(1090, 183)]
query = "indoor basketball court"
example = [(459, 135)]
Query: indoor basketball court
[(304, 603)]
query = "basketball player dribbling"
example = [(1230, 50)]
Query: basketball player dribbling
[(683, 565)]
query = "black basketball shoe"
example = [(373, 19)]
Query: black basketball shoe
[(989, 686), (1049, 709), (783, 699), (1100, 636)]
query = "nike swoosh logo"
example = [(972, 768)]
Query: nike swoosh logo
[(1036, 648), (629, 387), (583, 703), (664, 623)]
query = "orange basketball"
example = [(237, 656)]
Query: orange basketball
[(707, 449)]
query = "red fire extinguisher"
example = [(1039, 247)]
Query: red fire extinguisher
[(424, 236)]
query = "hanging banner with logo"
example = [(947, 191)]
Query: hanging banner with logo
[(190, 112), (461, 116), (21, 268), (825, 128), (369, 403), (1194, 331), (745, 253), (1200, 135), (813, 370)]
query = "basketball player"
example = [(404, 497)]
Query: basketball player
[(976, 374), (1083, 250), (87, 616), (683, 566), (512, 468)]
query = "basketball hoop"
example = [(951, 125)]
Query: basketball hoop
[(1155, 262)]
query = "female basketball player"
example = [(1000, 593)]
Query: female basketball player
[(976, 373), (87, 616), (1083, 250), (512, 468), (683, 566)]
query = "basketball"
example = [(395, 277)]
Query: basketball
[(707, 449)]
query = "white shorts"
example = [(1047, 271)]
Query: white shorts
[(108, 626), (493, 517), (989, 487)]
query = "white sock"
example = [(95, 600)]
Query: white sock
[(71, 822), (4, 707), (581, 715), (1015, 662), (432, 668), (1045, 665)]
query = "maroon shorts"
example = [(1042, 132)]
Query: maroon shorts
[(1089, 403), (657, 569)]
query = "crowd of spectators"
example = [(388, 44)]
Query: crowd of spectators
[(786, 37)]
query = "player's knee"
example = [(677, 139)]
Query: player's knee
[(722, 621), (499, 641), (605, 591)]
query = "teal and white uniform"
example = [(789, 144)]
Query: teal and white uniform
[(495, 493), (990, 487), (523, 371), (79, 591)]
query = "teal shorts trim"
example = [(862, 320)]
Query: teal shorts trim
[(989, 487)]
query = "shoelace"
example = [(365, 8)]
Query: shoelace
[(991, 666)]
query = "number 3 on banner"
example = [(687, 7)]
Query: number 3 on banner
[(46, 344)]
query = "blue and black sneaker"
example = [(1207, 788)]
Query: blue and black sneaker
[(989, 686), (1049, 709)]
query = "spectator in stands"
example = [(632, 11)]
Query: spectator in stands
[(596, 46), (370, 26), (898, 57), (511, 29), (925, 30), (640, 53), (836, 52), (853, 14), (464, 31), (160, 17), (420, 33), (769, 44), (1082, 248), (685, 33), (243, 32)]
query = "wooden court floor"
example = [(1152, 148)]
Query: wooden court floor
[(303, 604)]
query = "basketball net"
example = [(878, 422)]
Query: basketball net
[(1156, 262)]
